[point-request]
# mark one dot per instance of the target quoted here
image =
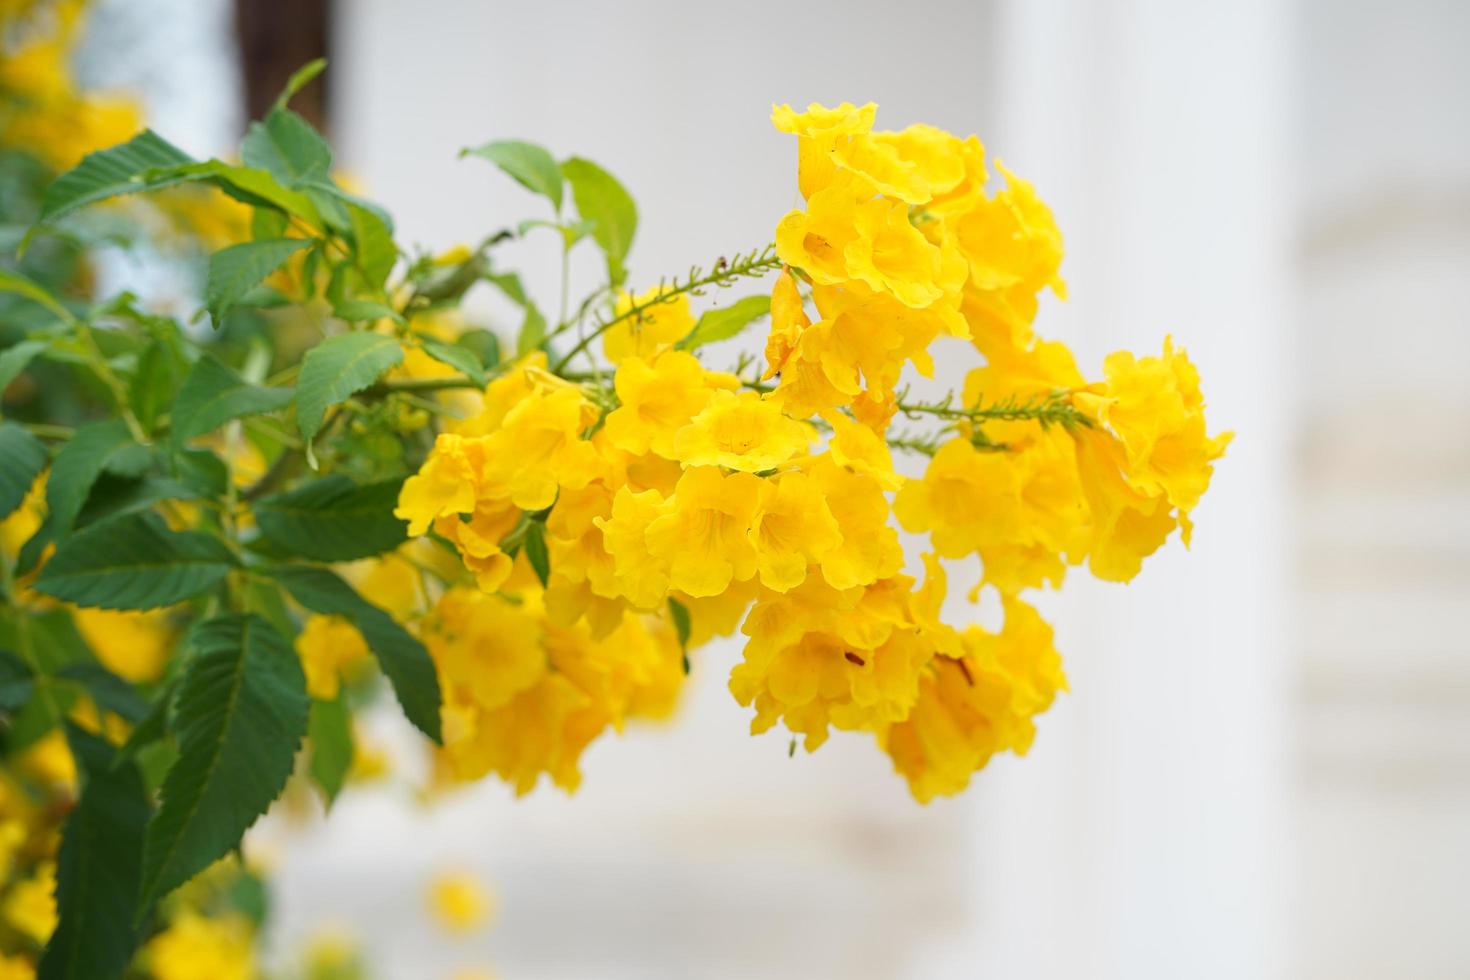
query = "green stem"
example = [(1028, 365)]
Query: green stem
[(97, 361), (47, 431), (757, 263)]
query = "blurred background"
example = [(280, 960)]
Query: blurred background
[(1263, 769)]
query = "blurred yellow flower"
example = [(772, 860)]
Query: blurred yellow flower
[(192, 947), (328, 646), (30, 907), (459, 901)]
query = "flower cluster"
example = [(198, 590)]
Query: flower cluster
[(605, 524)]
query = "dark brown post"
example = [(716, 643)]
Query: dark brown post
[(276, 38)]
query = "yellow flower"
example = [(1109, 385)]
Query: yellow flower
[(793, 528), (195, 948), (85, 713), (30, 908), (539, 447), (741, 431), (455, 255), (543, 729), (658, 398), (393, 581), (718, 615), (574, 539), (447, 483), (527, 376), (817, 377), (649, 331), (370, 759), (504, 710), (328, 646), (133, 645), (16, 967), (703, 532), (332, 954), (477, 538), (1054, 525), (818, 130), (487, 649), (1127, 526), (459, 902), (1014, 250), (12, 835), (788, 321), (639, 575), (634, 671), (49, 760), (1154, 406), (16, 529), (947, 168), (1012, 239), (818, 656), (816, 240), (971, 707), (860, 347), (890, 255), (966, 500), (861, 450), (927, 604), (869, 550)]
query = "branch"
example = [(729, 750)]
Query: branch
[(726, 272)]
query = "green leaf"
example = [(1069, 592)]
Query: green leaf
[(601, 199), (78, 464), (234, 271), (109, 691), (98, 868), (510, 284), (372, 240), (267, 221), (330, 735), (288, 148), (134, 562), (726, 322), (13, 282), (333, 519), (299, 79), (338, 368), (365, 311), (536, 554), (239, 717), (113, 495), (531, 166), (402, 657), (483, 344), (570, 234), (17, 683), (533, 331), (152, 728), (108, 173), (679, 613), (212, 395), (248, 895), (456, 356), (22, 458), (202, 472), (249, 185), (16, 358), (156, 382)]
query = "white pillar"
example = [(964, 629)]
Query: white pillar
[(1143, 836)]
